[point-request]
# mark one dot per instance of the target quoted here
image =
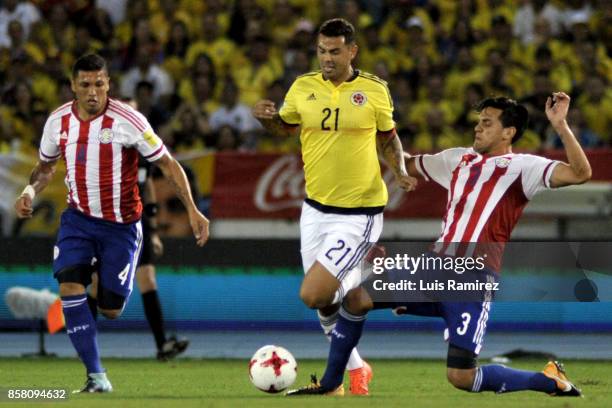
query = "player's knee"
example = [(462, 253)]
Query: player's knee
[(110, 303), (461, 367), (77, 274), (71, 289), (111, 313), (358, 302), (461, 379), (312, 299)]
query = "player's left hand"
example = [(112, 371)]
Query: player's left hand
[(557, 112), (158, 245), (406, 182), (199, 225)]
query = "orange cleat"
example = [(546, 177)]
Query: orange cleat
[(360, 378), (555, 371)]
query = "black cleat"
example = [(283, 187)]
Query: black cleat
[(314, 388), (172, 348), (555, 371)]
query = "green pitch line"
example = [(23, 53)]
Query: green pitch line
[(224, 383)]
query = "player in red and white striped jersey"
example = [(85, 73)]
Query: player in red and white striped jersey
[(101, 157), (99, 140), (488, 187)]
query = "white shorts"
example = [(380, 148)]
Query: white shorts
[(339, 242)]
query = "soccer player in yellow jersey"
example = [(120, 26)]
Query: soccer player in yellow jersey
[(345, 116)]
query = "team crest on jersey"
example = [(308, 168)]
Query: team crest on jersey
[(503, 162), (358, 98), (105, 136)]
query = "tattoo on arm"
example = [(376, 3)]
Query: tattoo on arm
[(391, 149), (174, 173), (42, 175), (276, 126), (182, 191)]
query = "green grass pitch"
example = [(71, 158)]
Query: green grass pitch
[(224, 383)]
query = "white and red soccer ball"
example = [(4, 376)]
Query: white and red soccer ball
[(272, 369)]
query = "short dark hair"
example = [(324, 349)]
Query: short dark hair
[(338, 27), (88, 62), (513, 114)]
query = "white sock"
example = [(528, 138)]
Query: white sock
[(338, 296), (327, 324), (355, 361)]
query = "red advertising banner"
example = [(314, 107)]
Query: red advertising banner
[(272, 186)]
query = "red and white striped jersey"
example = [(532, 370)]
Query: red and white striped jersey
[(486, 195), (101, 157)]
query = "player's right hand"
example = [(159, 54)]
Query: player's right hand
[(264, 109), (199, 225), (158, 245), (406, 182), (23, 206)]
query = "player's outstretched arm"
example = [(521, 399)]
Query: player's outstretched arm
[(173, 171), (578, 170), (265, 111), (411, 165), (39, 179), (390, 147)]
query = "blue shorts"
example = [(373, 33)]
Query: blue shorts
[(115, 247), (466, 322)]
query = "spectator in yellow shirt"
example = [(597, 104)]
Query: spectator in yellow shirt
[(175, 50), (434, 99), (255, 73), (464, 72), (373, 51), (596, 106), (222, 50), (192, 88), (437, 134)]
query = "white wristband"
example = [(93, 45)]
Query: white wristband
[(29, 190)]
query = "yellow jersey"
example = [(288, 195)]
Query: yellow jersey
[(338, 136)]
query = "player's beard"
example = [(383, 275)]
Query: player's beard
[(92, 107), (331, 74)]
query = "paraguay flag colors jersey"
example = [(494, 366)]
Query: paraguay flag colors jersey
[(486, 195), (101, 158), (338, 136)]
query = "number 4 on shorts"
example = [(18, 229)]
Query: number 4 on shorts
[(123, 275)]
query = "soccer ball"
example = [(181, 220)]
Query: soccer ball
[(272, 369)]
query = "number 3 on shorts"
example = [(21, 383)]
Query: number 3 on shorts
[(340, 247), (466, 322), (123, 275)]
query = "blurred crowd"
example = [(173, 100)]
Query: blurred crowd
[(194, 68)]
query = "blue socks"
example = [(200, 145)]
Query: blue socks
[(344, 338), (500, 379), (81, 328)]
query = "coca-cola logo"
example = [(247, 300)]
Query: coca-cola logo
[(281, 186)]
